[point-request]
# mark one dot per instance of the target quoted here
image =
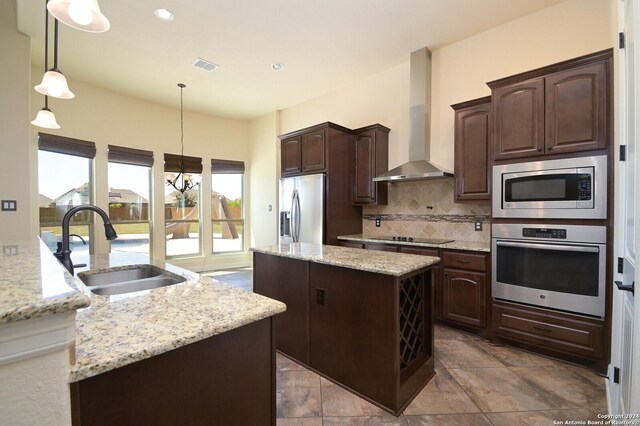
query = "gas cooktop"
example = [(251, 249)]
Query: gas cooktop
[(414, 239)]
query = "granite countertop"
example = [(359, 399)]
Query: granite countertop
[(118, 330), (387, 263), (454, 245), (34, 284)]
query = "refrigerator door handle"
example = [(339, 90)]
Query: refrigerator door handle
[(296, 208), (292, 222)]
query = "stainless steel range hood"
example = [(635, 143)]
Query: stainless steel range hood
[(418, 166)]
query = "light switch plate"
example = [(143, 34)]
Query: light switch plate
[(9, 205), (478, 226)]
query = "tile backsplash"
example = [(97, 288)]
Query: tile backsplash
[(425, 209)]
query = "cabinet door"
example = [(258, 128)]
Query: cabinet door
[(518, 119), (313, 151), (354, 329), (464, 297), (290, 154), (364, 189), (472, 153), (576, 109)]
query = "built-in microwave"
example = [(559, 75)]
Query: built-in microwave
[(568, 188)]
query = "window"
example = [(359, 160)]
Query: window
[(227, 207), (130, 198), (65, 181), (182, 210)]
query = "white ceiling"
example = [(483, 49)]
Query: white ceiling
[(325, 45)]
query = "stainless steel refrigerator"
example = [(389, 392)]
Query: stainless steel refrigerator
[(302, 209)]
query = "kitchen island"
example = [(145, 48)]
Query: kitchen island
[(197, 352), (362, 319)]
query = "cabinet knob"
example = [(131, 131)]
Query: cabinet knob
[(549, 148), (540, 148)]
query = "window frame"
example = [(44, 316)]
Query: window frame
[(227, 167)]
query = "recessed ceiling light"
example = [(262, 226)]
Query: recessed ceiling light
[(278, 66), (164, 14)]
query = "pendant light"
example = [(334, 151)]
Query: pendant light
[(83, 15), (53, 82), (45, 117), (182, 181)]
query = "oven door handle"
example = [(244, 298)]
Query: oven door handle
[(558, 247)]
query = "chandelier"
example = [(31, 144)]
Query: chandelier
[(182, 181)]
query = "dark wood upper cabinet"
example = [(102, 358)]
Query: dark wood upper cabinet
[(291, 156), (559, 109), (313, 151), (326, 148), (371, 158), (518, 114), (472, 145), (576, 109)]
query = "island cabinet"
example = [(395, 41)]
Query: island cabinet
[(204, 383), (559, 109), (370, 159), (369, 331), (472, 170)]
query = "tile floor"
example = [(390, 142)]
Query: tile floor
[(476, 383)]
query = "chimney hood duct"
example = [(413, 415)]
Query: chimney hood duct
[(418, 167)]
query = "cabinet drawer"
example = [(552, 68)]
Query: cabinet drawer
[(381, 247), (419, 250), (470, 261), (556, 331)]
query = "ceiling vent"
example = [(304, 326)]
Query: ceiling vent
[(204, 64)]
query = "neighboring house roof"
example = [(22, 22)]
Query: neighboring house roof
[(75, 196), (44, 201), (125, 196)]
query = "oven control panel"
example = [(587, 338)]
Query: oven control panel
[(544, 233)]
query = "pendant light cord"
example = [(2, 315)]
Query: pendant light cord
[(55, 45), (46, 47), (181, 123)]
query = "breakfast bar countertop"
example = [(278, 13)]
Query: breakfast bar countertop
[(386, 263), (33, 283), (453, 245), (121, 329)]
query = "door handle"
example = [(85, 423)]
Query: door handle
[(625, 287)]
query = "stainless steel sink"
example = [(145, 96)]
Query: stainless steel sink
[(128, 279)]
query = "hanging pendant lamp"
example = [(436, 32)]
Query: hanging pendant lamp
[(54, 83), (45, 117), (83, 15), (182, 181)]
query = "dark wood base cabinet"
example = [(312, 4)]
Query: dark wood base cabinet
[(228, 379), (370, 333), (572, 337)]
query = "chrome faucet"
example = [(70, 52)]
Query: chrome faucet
[(64, 255)]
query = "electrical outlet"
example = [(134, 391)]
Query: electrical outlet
[(377, 222), (9, 205), (320, 296), (478, 226)]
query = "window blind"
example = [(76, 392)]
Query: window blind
[(65, 145), (172, 164), (124, 155), (227, 166)]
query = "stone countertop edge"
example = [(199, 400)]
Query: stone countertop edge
[(119, 330), (454, 245), (34, 284), (387, 263)]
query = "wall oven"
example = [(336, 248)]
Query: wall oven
[(568, 188), (553, 266)]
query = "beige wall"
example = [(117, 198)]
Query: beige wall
[(460, 72), (14, 126), (264, 164), (106, 117)]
